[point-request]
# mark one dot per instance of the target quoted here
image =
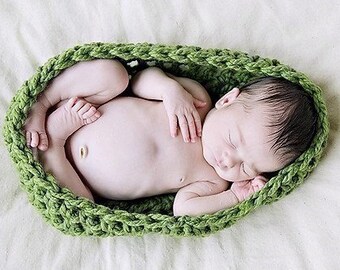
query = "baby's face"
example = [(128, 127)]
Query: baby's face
[(235, 143)]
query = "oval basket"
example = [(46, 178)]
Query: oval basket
[(219, 70)]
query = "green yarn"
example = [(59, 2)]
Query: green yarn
[(220, 70)]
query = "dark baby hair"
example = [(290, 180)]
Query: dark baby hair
[(291, 113)]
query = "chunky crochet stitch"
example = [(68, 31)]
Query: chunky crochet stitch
[(220, 70)]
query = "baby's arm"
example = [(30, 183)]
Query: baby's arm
[(203, 198), (209, 197), (153, 83), (243, 189), (186, 101)]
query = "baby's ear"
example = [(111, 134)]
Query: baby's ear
[(228, 98)]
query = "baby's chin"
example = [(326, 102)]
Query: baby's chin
[(226, 177), (220, 174)]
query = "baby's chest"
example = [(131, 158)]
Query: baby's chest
[(137, 148), (142, 143)]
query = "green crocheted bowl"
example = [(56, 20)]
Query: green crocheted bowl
[(220, 69)]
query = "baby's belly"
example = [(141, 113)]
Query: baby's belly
[(128, 152)]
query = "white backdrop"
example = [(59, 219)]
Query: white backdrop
[(301, 231)]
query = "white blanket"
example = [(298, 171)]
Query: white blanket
[(301, 231)]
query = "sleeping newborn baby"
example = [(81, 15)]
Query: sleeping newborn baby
[(166, 137)]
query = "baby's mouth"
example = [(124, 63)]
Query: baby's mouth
[(218, 163)]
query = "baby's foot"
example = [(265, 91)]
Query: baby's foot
[(35, 127), (68, 118)]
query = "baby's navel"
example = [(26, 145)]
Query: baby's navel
[(83, 151)]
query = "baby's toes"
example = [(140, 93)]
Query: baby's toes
[(91, 115), (71, 103), (28, 138), (92, 118), (86, 107), (43, 141), (37, 139), (90, 110), (33, 138), (78, 104)]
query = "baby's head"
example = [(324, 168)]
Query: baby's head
[(259, 128)]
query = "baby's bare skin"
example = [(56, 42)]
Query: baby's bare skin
[(129, 153), (138, 147), (71, 116)]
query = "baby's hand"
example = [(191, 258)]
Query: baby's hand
[(181, 109), (243, 189)]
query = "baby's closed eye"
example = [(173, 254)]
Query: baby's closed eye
[(243, 169)]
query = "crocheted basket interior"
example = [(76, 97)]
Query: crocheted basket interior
[(219, 70)]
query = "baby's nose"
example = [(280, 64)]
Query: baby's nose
[(227, 161)]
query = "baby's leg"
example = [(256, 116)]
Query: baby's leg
[(96, 81), (60, 124)]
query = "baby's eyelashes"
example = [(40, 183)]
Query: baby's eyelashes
[(243, 169), (231, 142)]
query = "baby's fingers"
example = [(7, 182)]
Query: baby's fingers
[(199, 103), (259, 180), (257, 188), (183, 124), (192, 127), (262, 178), (173, 125), (258, 184), (198, 123), (242, 183)]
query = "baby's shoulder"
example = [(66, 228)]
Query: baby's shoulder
[(221, 183), (218, 185)]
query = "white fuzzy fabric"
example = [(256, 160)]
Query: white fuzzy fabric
[(301, 231)]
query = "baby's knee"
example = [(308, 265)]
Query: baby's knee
[(113, 74)]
